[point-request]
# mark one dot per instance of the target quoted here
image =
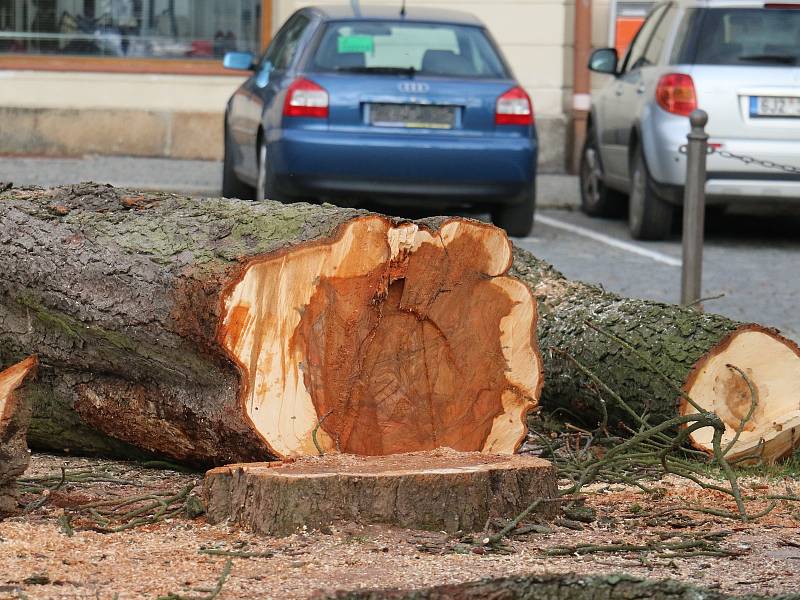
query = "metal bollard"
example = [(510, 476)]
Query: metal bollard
[(694, 208)]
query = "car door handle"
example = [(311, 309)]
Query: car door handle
[(619, 91), (640, 89)]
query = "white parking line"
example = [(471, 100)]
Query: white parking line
[(607, 240)]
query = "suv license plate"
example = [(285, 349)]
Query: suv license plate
[(416, 116), (775, 106)]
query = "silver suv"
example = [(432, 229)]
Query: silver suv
[(736, 59)]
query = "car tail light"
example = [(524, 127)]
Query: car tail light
[(514, 108), (304, 98), (675, 94)]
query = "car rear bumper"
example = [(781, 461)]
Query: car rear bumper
[(728, 178), (332, 163), (741, 189)]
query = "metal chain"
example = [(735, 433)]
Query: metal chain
[(748, 160)]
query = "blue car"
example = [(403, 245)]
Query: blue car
[(352, 104)]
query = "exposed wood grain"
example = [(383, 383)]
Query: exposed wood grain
[(405, 339), (771, 363), (14, 417)]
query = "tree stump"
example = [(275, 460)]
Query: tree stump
[(14, 418), (434, 490)]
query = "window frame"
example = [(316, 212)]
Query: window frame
[(307, 59), (160, 66), (655, 15), (665, 25), (278, 42)]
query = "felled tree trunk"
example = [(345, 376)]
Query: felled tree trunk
[(14, 418), (439, 490), (212, 331), (563, 587), (693, 350)]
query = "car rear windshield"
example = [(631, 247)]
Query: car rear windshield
[(748, 36), (387, 47)]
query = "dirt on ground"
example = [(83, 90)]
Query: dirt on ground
[(68, 544)]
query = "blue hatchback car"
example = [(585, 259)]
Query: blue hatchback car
[(382, 104)]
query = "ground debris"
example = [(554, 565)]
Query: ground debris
[(186, 557)]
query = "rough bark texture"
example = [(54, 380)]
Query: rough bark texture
[(680, 341), (435, 490), (142, 310), (556, 587), (14, 419)]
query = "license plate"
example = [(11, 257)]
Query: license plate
[(775, 106), (419, 116)]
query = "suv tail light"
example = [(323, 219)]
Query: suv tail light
[(675, 94), (514, 108), (304, 98)]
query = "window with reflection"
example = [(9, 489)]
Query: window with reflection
[(188, 29)]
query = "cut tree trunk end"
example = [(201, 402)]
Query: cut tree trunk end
[(386, 339), (215, 331), (14, 417), (691, 349), (770, 428), (434, 490)]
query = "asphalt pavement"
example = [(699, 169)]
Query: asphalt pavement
[(751, 262)]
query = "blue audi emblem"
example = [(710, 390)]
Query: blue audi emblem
[(413, 87)]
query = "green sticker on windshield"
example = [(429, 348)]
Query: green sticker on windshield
[(356, 43)]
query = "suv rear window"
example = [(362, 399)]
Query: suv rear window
[(748, 36), (388, 46)]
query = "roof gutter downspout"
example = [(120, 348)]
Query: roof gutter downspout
[(581, 87)]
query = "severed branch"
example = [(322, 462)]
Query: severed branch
[(649, 453)]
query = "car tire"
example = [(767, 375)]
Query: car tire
[(232, 186), (517, 218), (649, 217), (597, 200), (267, 186)]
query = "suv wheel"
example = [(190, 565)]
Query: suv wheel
[(597, 200), (517, 219), (232, 186), (649, 217)]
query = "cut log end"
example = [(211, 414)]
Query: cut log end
[(386, 339), (10, 380), (771, 365), (435, 490), (14, 456)]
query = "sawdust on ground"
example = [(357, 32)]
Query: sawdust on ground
[(38, 560)]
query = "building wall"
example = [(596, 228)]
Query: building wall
[(68, 113), (72, 114)]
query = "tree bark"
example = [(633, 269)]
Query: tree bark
[(439, 490), (214, 331), (692, 349), (14, 418), (562, 587)]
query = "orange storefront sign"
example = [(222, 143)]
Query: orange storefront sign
[(625, 31)]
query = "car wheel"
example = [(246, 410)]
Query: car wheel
[(649, 217), (266, 187), (517, 219), (597, 200), (232, 186)]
